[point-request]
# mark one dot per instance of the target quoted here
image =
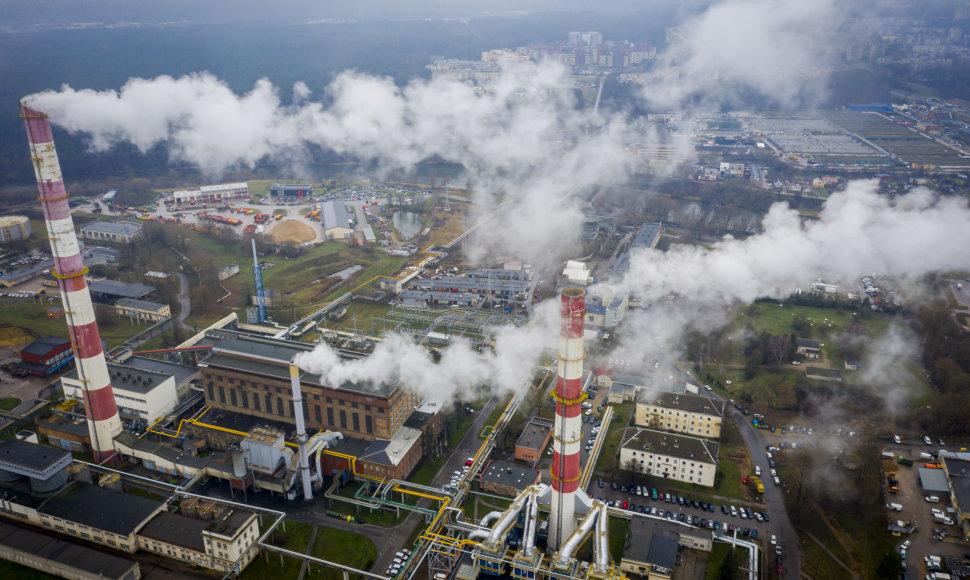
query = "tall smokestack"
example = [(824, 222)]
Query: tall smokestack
[(300, 430), (99, 401), (568, 429)]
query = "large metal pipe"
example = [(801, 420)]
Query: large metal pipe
[(300, 431), (69, 270), (489, 518), (568, 428), (602, 545), (531, 524), (508, 518), (572, 543)]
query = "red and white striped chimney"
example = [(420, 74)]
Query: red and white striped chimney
[(99, 401), (568, 429)]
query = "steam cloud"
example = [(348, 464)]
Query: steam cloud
[(524, 138), (781, 49)]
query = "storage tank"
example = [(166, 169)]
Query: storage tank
[(238, 461), (13, 228), (50, 485)]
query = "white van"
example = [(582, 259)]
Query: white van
[(926, 456), (895, 507), (932, 499)]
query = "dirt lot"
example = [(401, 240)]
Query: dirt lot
[(291, 232), (24, 389)]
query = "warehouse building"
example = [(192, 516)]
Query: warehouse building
[(336, 221), (652, 546), (646, 237), (533, 439), (291, 190), (45, 356), (143, 310), (681, 413), (117, 231), (110, 291), (250, 375), (212, 193), (13, 228), (62, 558), (677, 457), (503, 478)]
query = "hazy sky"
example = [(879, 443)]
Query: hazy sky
[(108, 11)]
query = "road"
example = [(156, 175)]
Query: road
[(780, 524), (184, 302)]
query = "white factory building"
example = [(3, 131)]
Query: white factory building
[(207, 193), (139, 394)]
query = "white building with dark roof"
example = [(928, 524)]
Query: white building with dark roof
[(143, 310), (336, 221), (660, 454), (117, 231), (681, 413), (140, 394)]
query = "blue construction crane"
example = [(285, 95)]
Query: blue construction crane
[(258, 280)]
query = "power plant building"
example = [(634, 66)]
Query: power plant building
[(248, 374), (140, 394), (661, 454), (119, 231), (13, 228)]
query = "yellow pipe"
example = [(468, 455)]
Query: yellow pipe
[(418, 493)]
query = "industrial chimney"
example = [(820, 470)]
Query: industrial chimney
[(99, 401), (568, 429), (301, 437)]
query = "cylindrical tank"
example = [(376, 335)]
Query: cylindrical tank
[(13, 228), (238, 461), (9, 476), (52, 484)]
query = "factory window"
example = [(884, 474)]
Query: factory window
[(316, 397), (367, 407), (330, 416), (232, 381), (343, 419), (369, 423), (59, 528), (316, 413), (342, 402), (212, 391), (279, 406), (222, 394), (356, 419), (354, 404), (256, 401), (329, 400), (269, 403), (46, 524), (232, 398), (245, 399), (85, 536)]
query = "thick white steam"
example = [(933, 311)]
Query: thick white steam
[(781, 49)]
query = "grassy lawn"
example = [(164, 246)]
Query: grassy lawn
[(496, 413), (777, 319), (31, 314), (363, 314), (618, 530), (718, 552), (9, 404), (269, 566), (621, 420), (342, 547)]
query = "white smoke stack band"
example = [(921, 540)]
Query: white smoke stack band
[(300, 431)]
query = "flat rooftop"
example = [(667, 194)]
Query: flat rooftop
[(120, 289), (689, 403), (116, 227), (80, 557), (511, 475), (129, 379), (181, 373), (534, 434), (271, 357), (671, 445), (100, 508), (32, 459)]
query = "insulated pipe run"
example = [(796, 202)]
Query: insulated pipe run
[(300, 431), (602, 555), (572, 543), (531, 521), (489, 518), (69, 270)]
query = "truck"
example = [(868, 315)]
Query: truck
[(926, 456), (904, 461)]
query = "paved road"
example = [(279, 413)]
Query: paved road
[(780, 524), (186, 304)]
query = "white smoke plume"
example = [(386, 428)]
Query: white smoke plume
[(461, 370), (781, 49), (858, 231)]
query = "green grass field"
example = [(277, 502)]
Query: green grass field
[(9, 404), (270, 565), (343, 547), (31, 314), (13, 570)]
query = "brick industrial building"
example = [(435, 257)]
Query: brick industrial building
[(250, 375)]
